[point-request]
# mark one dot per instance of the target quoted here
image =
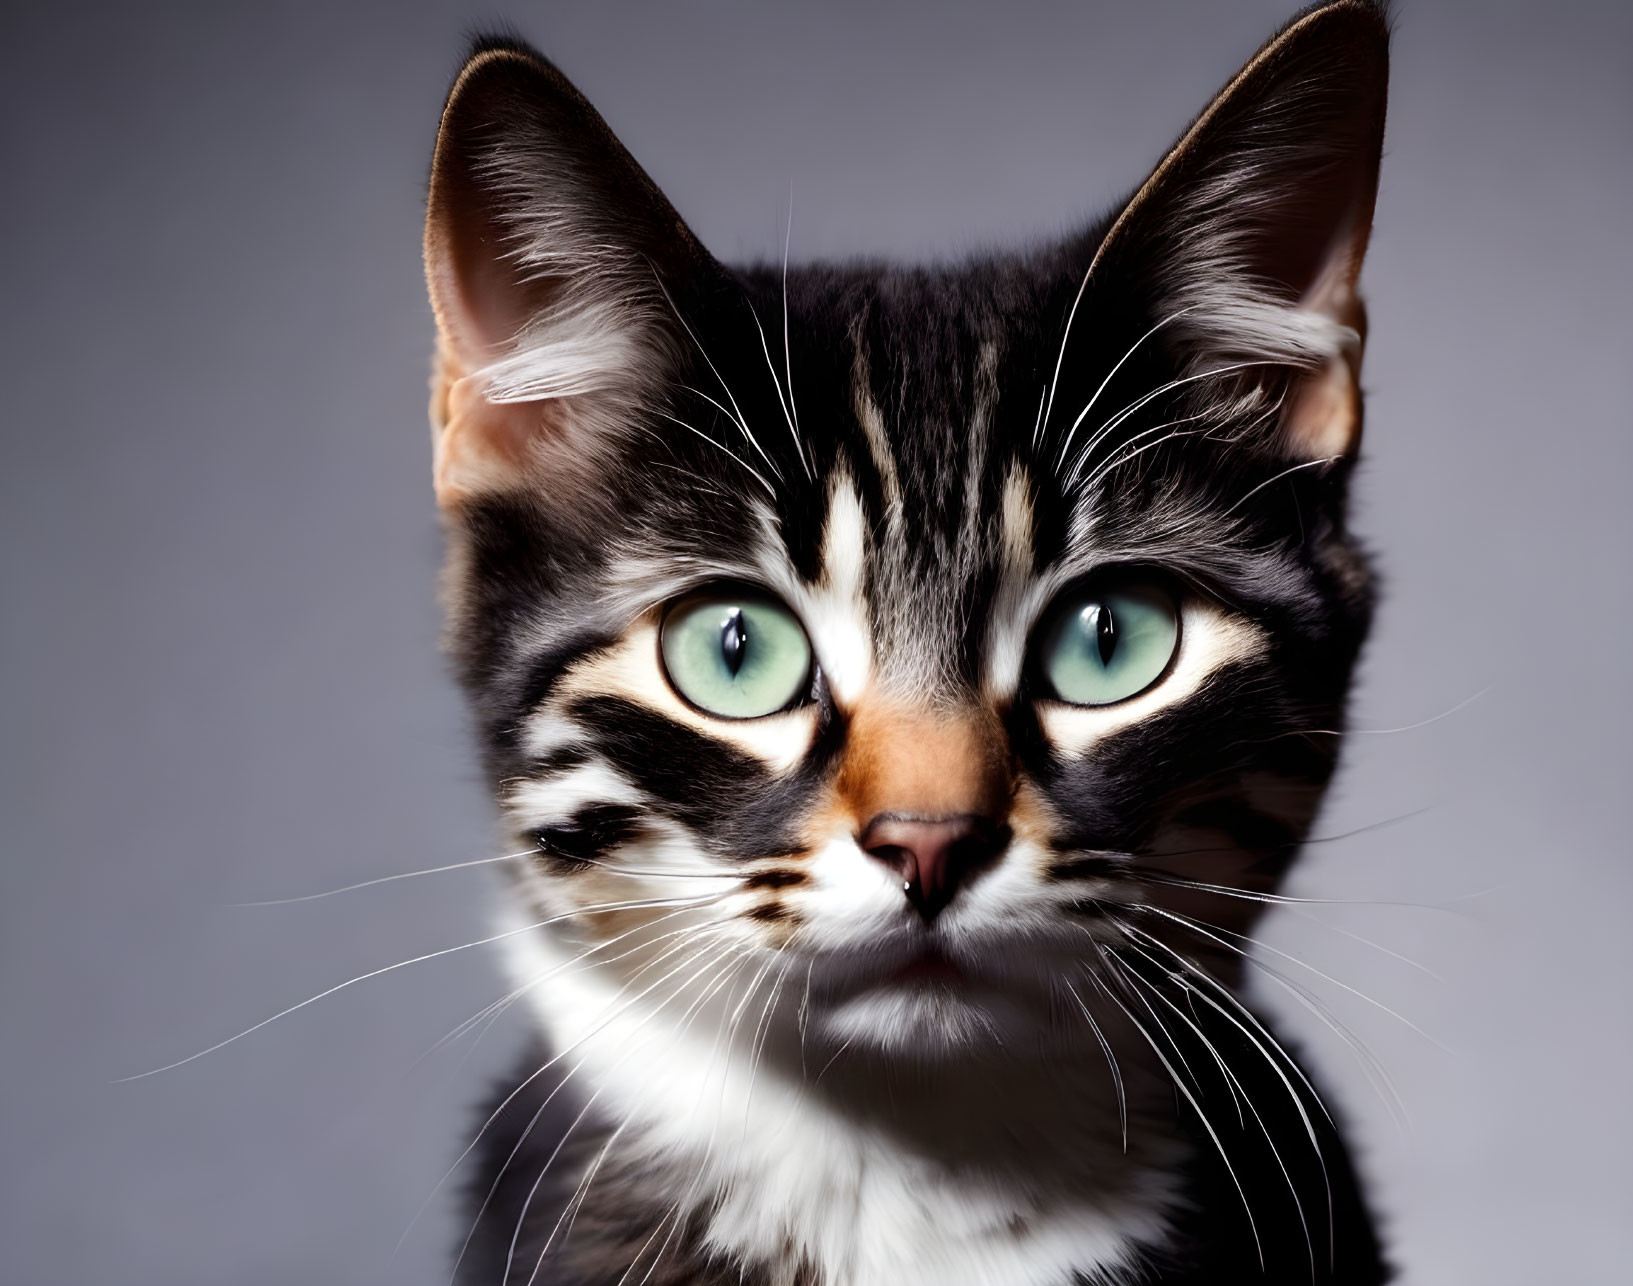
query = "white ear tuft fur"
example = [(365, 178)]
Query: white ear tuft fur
[(1254, 226), (596, 324), (546, 247)]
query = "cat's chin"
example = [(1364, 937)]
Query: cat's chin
[(928, 1017)]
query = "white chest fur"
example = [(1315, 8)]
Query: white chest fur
[(794, 1176)]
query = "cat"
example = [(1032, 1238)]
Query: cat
[(909, 685)]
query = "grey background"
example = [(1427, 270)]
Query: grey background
[(220, 676)]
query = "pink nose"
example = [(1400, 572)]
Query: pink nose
[(933, 855)]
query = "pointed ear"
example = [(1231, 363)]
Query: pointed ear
[(545, 246), (1251, 232)]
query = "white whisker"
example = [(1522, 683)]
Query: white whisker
[(543, 976), (1070, 433), (1111, 1062), (1293, 908), (787, 359), (1405, 727), (1308, 464), (1373, 1069), (1240, 1094), (655, 873), (1219, 989), (403, 964), (546, 1066), (736, 412), (787, 414), (1118, 461), (1211, 930), (744, 464), (1191, 1099), (1118, 417), (628, 1053), (386, 879), (538, 1180), (742, 956)]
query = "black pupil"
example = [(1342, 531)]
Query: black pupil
[(734, 641), (1105, 632)]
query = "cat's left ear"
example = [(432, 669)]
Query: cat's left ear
[(1250, 234)]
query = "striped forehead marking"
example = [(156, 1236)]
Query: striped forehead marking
[(835, 608), (1014, 604), (873, 429), (975, 464)]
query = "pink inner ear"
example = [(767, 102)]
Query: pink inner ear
[(478, 446), (1268, 199), (478, 309), (480, 301), (1323, 416)]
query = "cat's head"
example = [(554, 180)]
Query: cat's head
[(935, 635)]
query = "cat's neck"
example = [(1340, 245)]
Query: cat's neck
[(868, 1168)]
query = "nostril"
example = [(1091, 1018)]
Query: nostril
[(893, 855), (933, 855)]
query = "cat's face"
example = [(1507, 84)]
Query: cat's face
[(921, 641)]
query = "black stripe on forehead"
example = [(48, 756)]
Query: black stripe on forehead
[(920, 335), (916, 363), (736, 802), (938, 349), (976, 596), (935, 367), (786, 388), (953, 367)]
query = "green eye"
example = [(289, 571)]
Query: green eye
[(735, 655), (1109, 645)]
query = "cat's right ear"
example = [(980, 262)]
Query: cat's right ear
[(548, 252)]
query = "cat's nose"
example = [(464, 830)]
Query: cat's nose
[(933, 855)]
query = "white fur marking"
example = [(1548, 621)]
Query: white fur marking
[(1008, 625), (1209, 639), (835, 609), (791, 1179)]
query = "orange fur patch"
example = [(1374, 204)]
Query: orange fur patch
[(924, 763)]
